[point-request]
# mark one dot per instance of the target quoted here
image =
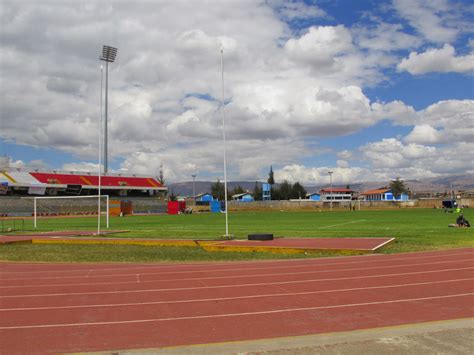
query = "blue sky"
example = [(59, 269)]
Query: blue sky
[(370, 89)]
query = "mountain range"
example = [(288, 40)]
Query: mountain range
[(433, 185)]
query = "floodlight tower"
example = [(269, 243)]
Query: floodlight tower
[(108, 56), (330, 184)]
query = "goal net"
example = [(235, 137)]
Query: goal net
[(72, 206)]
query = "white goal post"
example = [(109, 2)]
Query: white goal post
[(97, 197)]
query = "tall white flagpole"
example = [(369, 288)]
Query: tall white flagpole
[(225, 148), (100, 150)]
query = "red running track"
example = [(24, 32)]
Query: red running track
[(93, 307)]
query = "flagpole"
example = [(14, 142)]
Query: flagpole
[(100, 150), (225, 148)]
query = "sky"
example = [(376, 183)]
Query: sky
[(372, 90)]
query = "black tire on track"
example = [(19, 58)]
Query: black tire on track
[(260, 237)]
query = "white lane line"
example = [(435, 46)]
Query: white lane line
[(234, 286), (233, 298), (382, 244), (133, 276), (227, 315), (282, 264), (343, 224)]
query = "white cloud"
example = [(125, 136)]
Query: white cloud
[(396, 111), (296, 10), (320, 47), (81, 166), (437, 20), (411, 161), (386, 37), (320, 176), (283, 91), (393, 154), (345, 154), (437, 60), (424, 134), (454, 117)]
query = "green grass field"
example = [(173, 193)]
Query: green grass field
[(414, 230)]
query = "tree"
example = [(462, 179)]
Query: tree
[(398, 187), (286, 190), (275, 193), (298, 191), (271, 178), (238, 190), (217, 190), (257, 192)]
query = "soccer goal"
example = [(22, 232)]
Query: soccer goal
[(69, 206)]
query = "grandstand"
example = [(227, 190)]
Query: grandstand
[(20, 182)]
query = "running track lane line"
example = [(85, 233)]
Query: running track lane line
[(342, 224), (236, 297), (300, 263), (235, 314), (217, 277), (235, 285)]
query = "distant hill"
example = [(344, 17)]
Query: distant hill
[(440, 184)]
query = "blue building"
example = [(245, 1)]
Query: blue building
[(205, 197), (382, 195), (314, 196), (245, 197), (266, 191)]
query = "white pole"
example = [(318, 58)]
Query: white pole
[(194, 193), (225, 146), (330, 184), (107, 210), (100, 150), (34, 210)]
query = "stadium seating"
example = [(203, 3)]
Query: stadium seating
[(93, 180), (18, 178)]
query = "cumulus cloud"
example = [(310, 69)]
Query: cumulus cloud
[(284, 90), (438, 21), (319, 176), (442, 60), (296, 10), (424, 134), (391, 153), (320, 47), (386, 37), (454, 117), (414, 160), (81, 166)]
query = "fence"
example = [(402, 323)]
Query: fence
[(23, 206), (15, 206), (344, 205)]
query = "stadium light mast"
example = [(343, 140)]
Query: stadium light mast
[(330, 188), (108, 56), (225, 158)]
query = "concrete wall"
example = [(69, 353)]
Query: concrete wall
[(345, 205), (24, 206)]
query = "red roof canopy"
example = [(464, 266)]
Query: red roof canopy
[(93, 180)]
